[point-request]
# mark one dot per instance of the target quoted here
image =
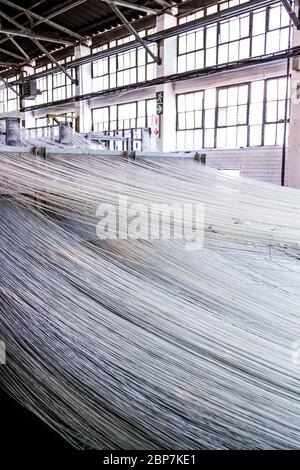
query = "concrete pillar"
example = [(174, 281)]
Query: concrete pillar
[(168, 54), (84, 76), (293, 162)]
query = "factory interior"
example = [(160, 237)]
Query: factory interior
[(150, 225)]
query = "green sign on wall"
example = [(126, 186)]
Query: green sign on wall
[(160, 103)]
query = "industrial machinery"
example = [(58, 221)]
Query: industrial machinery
[(10, 131)]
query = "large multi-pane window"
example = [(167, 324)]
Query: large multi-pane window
[(55, 86), (275, 112), (124, 119), (263, 31), (44, 84), (232, 116), (243, 115), (124, 68), (9, 99), (62, 85), (209, 10)]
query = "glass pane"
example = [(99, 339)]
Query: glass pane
[(273, 41), (222, 98), (223, 54), (210, 98), (209, 138), (242, 114), (210, 118), (232, 116), (256, 113), (222, 117), (221, 138), (259, 22), (255, 135), (257, 91), (211, 36), (211, 57), (282, 88), (274, 18), (198, 119), (181, 103), (258, 45), (271, 111), (243, 94), (233, 96), (242, 136), (272, 93), (231, 137), (280, 134), (270, 134)]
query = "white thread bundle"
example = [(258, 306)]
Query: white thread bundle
[(135, 344)]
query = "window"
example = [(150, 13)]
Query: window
[(124, 68), (190, 119), (48, 128), (242, 115), (124, 120), (44, 84), (275, 111), (210, 10), (56, 86), (9, 100), (232, 116), (234, 39), (263, 31)]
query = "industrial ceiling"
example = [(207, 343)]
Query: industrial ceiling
[(30, 28)]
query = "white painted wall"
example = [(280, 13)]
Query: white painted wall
[(261, 163)]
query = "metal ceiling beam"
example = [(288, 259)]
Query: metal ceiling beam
[(47, 19), (11, 54), (292, 14), (8, 85), (29, 35), (9, 64), (20, 14), (19, 48), (133, 31), (134, 6), (165, 4), (39, 45), (54, 61)]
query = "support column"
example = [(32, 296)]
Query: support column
[(168, 54), (84, 76), (293, 162)]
